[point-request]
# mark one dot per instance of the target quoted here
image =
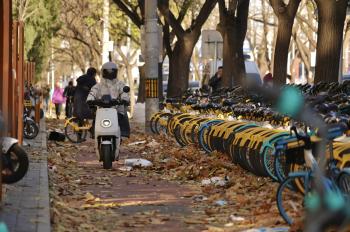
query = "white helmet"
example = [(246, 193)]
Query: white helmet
[(109, 70)]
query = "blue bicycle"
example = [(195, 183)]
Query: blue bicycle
[(335, 183)]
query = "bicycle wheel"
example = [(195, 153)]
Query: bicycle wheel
[(343, 182), (269, 159), (244, 154), (256, 159), (74, 135), (195, 130), (178, 137), (281, 166), (270, 150), (152, 122), (289, 202), (204, 131), (160, 123)]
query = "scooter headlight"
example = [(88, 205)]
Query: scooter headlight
[(106, 123)]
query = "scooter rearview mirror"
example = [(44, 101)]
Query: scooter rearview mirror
[(126, 89)]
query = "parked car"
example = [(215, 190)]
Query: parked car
[(191, 85), (252, 71), (346, 77)]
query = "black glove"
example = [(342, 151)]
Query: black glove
[(125, 103), (90, 103)]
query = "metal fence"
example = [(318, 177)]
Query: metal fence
[(14, 73)]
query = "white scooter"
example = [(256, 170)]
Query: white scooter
[(107, 129)]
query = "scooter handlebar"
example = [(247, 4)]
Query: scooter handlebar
[(105, 104)]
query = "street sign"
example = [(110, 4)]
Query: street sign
[(212, 44), (108, 46)]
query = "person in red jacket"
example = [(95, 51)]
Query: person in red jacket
[(268, 80)]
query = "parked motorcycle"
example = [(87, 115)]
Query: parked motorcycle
[(107, 129), (14, 159), (30, 128)]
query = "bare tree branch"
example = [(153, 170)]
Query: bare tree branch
[(131, 13), (163, 6)]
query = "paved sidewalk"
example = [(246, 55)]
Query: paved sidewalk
[(26, 205)]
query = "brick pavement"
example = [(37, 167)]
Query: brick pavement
[(26, 205)]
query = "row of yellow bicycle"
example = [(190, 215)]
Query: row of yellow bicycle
[(263, 151)]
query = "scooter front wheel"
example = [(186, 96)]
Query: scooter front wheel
[(15, 165), (107, 156)]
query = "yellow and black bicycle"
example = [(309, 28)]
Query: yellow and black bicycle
[(76, 130)]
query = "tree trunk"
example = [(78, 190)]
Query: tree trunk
[(234, 71), (141, 98), (179, 66), (284, 35), (329, 41), (233, 28), (286, 15), (265, 40), (180, 56)]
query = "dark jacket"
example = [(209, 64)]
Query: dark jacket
[(215, 83), (69, 93), (80, 108)]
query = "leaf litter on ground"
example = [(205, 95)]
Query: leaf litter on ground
[(243, 196)]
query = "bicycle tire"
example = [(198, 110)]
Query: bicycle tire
[(269, 156), (285, 190), (158, 127), (245, 161), (152, 122), (178, 137), (70, 135), (280, 166), (204, 131), (256, 159), (343, 182)]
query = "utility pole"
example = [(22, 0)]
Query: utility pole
[(105, 40), (152, 59)]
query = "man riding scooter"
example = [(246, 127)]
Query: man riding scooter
[(111, 98)]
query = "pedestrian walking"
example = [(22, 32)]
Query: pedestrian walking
[(46, 97), (68, 93), (58, 99), (268, 80), (81, 109), (215, 82)]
